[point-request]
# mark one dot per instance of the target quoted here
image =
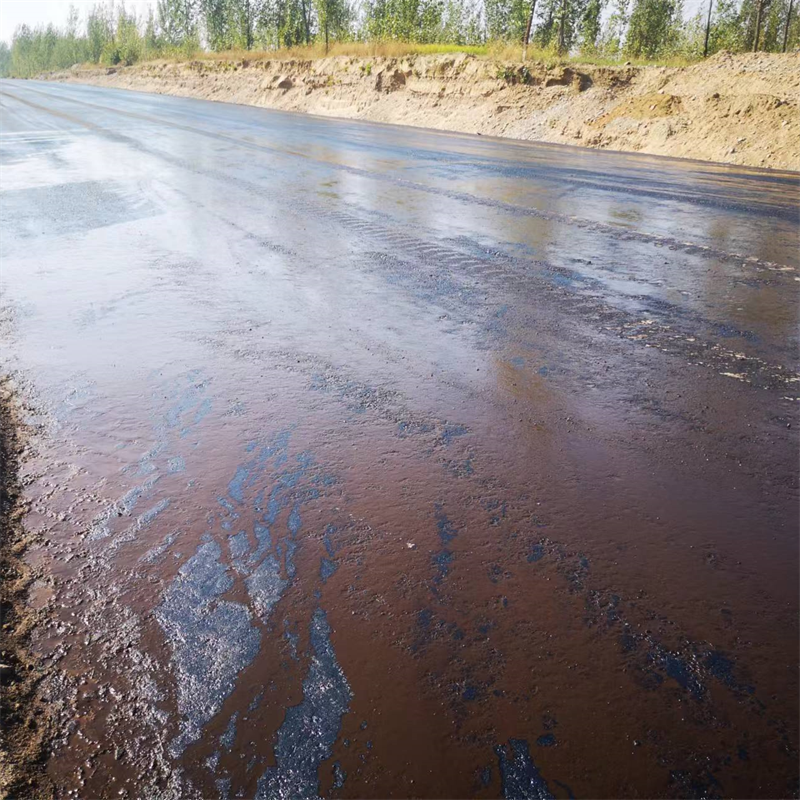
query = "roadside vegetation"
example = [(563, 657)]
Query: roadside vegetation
[(593, 31)]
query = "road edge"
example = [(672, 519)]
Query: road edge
[(739, 110), (27, 723)]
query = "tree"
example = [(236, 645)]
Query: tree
[(334, 18), (775, 24), (591, 25), (725, 32), (127, 40), (654, 28), (151, 43), (177, 23), (759, 18), (283, 23), (216, 24), (71, 46), (405, 20), (708, 28), (639, 28), (616, 28), (5, 60), (561, 24), (507, 19), (99, 31), (461, 23)]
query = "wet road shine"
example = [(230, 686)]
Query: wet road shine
[(379, 462)]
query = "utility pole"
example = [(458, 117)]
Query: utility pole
[(759, 12), (527, 39), (708, 28), (786, 27)]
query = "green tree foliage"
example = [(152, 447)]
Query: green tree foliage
[(335, 20), (726, 31), (5, 60), (234, 24), (590, 25), (507, 19), (405, 20), (654, 28), (646, 29), (126, 44), (178, 24), (461, 23), (99, 31), (150, 45), (562, 26), (773, 25), (42, 47)]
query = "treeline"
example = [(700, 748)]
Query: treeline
[(641, 29)]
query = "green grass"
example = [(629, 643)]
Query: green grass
[(500, 51)]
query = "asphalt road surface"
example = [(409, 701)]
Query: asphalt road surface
[(381, 462)]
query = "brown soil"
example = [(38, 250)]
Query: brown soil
[(26, 723), (737, 109)]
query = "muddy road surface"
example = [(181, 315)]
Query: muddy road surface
[(375, 462)]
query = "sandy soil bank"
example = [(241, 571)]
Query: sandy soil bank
[(739, 109)]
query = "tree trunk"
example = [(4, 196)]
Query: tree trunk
[(562, 27), (708, 28), (526, 41), (249, 26), (786, 27), (305, 22), (759, 12)]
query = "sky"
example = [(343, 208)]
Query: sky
[(33, 12)]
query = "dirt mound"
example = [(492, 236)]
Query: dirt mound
[(739, 109), (645, 106)]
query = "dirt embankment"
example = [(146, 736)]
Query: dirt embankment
[(740, 109)]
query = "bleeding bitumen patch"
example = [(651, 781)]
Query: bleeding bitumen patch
[(309, 730), (212, 640), (521, 779), (72, 207)]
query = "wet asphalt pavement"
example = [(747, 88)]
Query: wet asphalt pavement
[(380, 462)]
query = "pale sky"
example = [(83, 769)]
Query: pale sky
[(34, 12)]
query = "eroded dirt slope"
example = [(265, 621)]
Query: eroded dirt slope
[(739, 109)]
